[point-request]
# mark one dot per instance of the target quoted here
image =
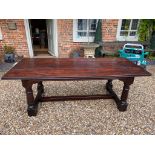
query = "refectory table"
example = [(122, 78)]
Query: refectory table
[(36, 70)]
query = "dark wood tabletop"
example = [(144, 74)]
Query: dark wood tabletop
[(73, 69)]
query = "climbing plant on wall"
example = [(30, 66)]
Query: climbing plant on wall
[(145, 29)]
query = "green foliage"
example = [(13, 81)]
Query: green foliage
[(151, 55), (145, 29), (98, 34), (8, 49)]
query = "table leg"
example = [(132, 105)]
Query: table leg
[(109, 84), (32, 104), (40, 87), (112, 93), (121, 103)]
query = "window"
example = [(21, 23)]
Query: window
[(127, 30), (84, 30)]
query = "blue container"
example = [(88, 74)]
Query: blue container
[(134, 53), (10, 57)]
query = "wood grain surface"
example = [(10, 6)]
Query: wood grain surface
[(74, 69)]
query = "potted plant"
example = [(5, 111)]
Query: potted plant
[(9, 54)]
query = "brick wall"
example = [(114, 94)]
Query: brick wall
[(66, 45), (116, 45), (16, 38), (65, 35), (109, 30)]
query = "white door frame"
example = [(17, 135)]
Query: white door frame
[(29, 42), (28, 37), (55, 33)]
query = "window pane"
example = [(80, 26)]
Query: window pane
[(92, 24), (82, 34), (134, 24), (124, 33), (82, 24), (132, 33), (91, 34), (125, 24)]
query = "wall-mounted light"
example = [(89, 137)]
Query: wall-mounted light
[(12, 26)]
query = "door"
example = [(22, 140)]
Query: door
[(30, 26), (50, 28)]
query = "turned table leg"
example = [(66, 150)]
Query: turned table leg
[(32, 105), (40, 87), (109, 84), (122, 102)]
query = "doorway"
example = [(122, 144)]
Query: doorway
[(42, 37)]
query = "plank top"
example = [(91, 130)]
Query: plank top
[(74, 69)]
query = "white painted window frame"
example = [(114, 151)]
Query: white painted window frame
[(81, 39), (125, 38)]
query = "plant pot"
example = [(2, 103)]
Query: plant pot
[(9, 57)]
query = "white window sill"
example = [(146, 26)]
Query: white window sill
[(127, 38), (84, 40)]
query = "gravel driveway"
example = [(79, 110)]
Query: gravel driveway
[(79, 117)]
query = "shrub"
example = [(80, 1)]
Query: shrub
[(8, 49)]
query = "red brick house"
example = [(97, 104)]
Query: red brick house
[(58, 37)]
